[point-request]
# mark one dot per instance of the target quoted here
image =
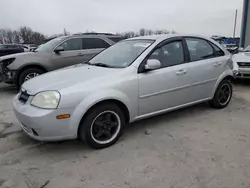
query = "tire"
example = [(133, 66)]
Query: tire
[(91, 125), (26, 72), (217, 101)]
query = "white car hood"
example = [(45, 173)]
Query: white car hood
[(242, 57), (77, 75)]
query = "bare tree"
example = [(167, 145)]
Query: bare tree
[(9, 36), (16, 37), (142, 32)]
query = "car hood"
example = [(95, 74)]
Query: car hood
[(242, 57), (26, 56), (73, 76)]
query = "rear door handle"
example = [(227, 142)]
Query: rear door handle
[(217, 64), (181, 72)]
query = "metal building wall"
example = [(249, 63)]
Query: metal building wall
[(245, 29)]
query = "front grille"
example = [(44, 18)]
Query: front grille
[(244, 64), (24, 96)]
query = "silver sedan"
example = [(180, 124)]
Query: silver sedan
[(134, 79)]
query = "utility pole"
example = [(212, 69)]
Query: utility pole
[(235, 23)]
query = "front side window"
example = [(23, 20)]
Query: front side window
[(170, 54), (92, 43), (72, 44), (50, 45), (199, 49), (121, 54)]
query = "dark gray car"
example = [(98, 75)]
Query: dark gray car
[(55, 54)]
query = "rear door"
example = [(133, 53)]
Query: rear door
[(71, 55), (207, 62), (92, 46)]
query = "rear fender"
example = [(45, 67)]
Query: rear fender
[(228, 73)]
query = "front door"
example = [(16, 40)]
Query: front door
[(168, 86), (72, 54)]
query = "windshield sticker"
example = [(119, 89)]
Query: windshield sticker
[(143, 45)]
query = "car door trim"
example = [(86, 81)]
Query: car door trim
[(169, 109), (177, 88), (164, 91)]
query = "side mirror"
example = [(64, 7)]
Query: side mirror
[(59, 49), (152, 64)]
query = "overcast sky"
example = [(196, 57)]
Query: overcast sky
[(205, 17)]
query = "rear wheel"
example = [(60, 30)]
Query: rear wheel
[(222, 95), (102, 126), (28, 74)]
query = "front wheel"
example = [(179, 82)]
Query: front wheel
[(102, 126), (222, 95), (28, 74)]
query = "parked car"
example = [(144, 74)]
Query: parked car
[(131, 80), (7, 49), (57, 53), (242, 63), (229, 45), (25, 47)]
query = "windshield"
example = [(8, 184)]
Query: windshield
[(247, 49), (48, 46), (122, 54)]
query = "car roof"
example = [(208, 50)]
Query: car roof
[(166, 36), (90, 36)]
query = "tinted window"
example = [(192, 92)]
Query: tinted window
[(217, 50), (92, 43), (199, 49), (72, 44), (3, 47), (170, 54), (12, 46), (115, 39)]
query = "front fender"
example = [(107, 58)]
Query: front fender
[(222, 76), (94, 98)]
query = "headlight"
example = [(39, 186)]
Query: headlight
[(7, 62), (46, 99)]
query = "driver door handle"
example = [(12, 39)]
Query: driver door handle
[(181, 72)]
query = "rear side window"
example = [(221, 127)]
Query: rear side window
[(92, 43), (199, 49), (72, 44)]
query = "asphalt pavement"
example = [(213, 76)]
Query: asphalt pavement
[(196, 147)]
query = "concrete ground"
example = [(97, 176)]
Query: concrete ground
[(196, 147)]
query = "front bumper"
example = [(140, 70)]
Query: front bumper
[(243, 73), (41, 124), (7, 75)]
